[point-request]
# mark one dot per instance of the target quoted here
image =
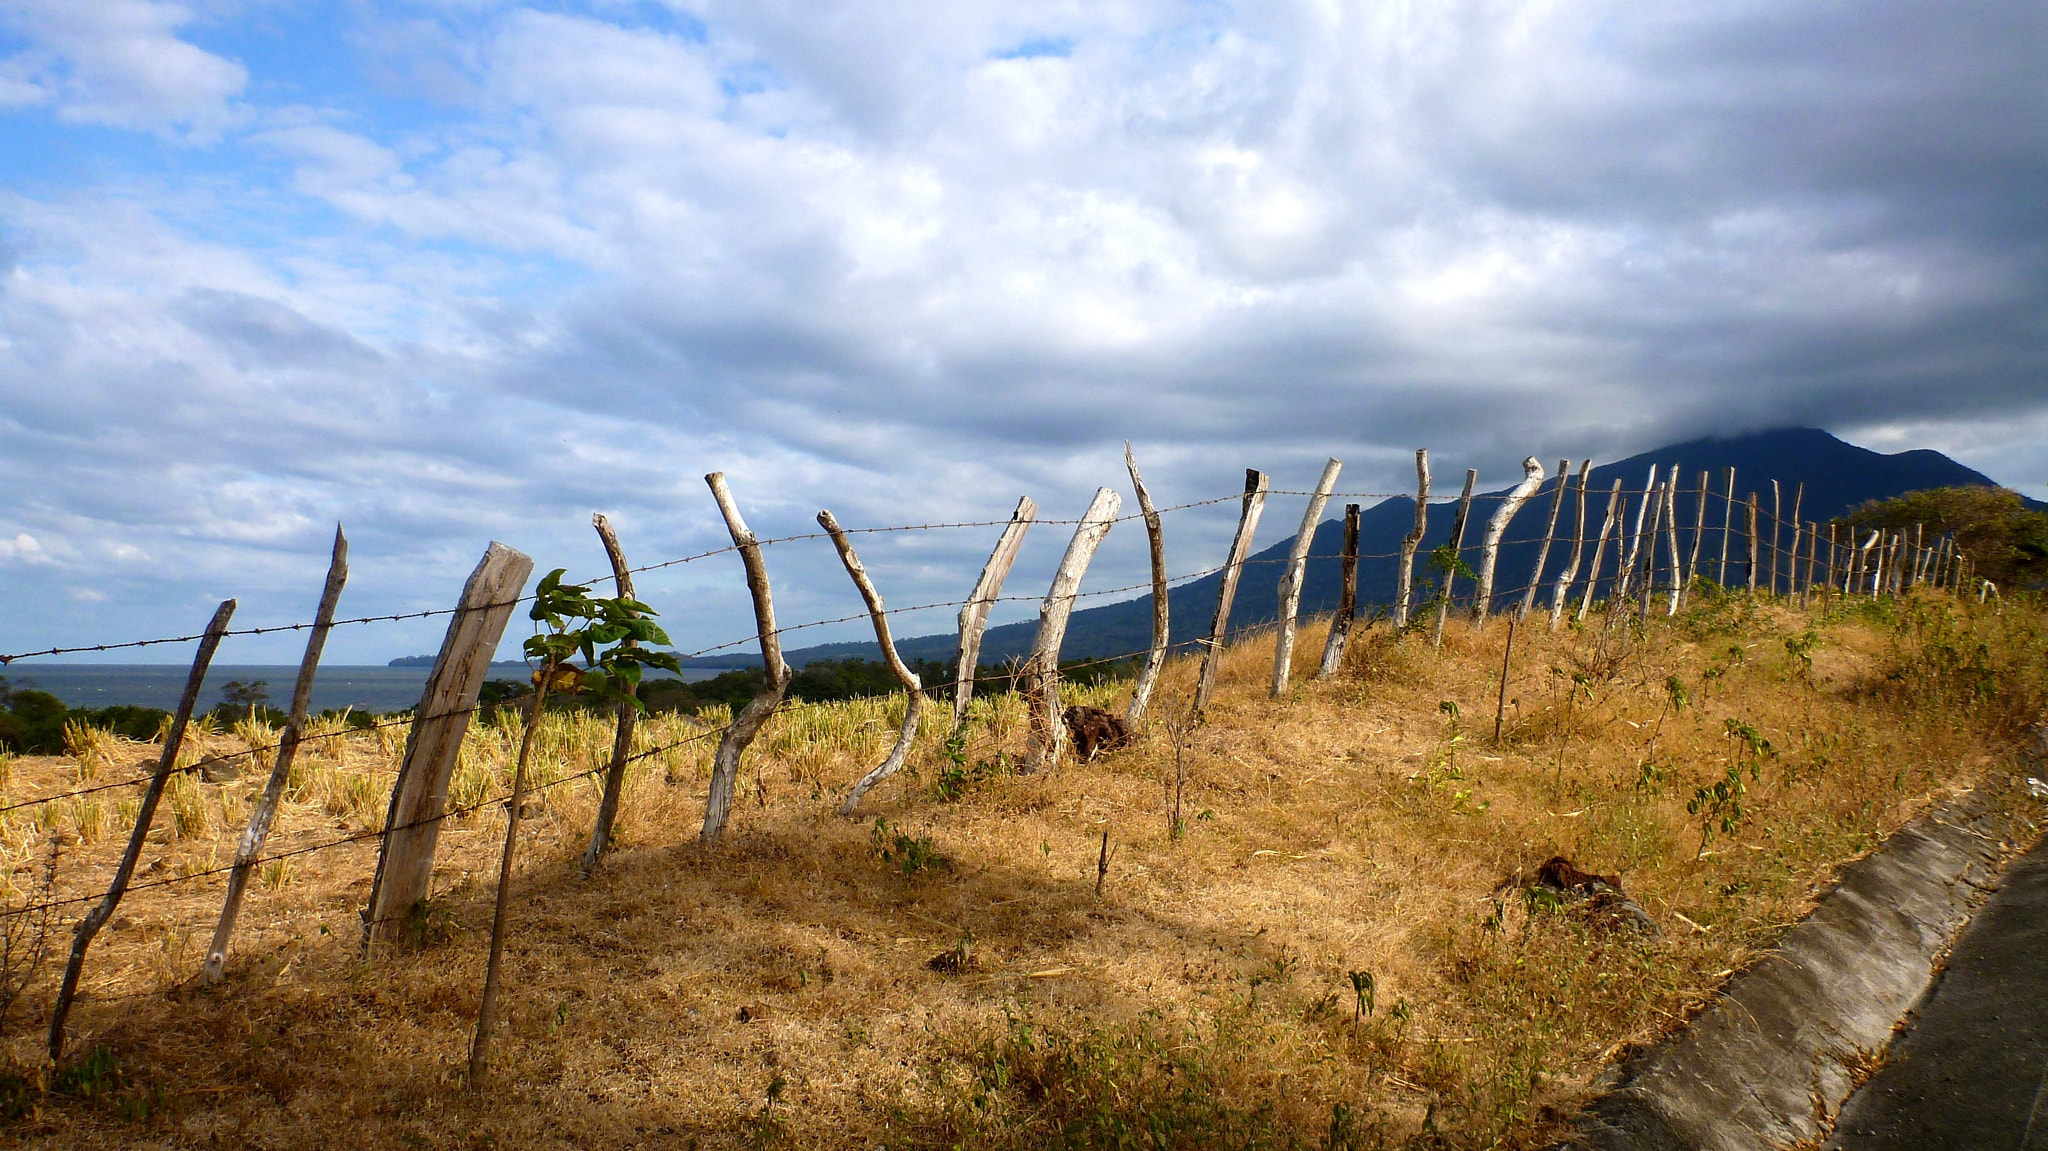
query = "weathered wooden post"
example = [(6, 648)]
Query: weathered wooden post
[(1648, 591), (974, 613), (1772, 546), (1699, 527), (1297, 568), (1240, 545), (166, 762), (913, 688), (1625, 578), (1457, 546), (412, 824), (1754, 542), (628, 714), (1792, 562), (281, 764), (1489, 552), (1562, 590), (1347, 600), (1671, 542), (1919, 553), (740, 733), (1608, 526), (1042, 670), (1148, 676), (1727, 518), (1404, 572), (1564, 478)]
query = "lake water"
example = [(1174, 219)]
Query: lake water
[(370, 687)]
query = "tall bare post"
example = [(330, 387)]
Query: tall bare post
[(1148, 676), (1297, 568), (1507, 655), (1608, 525), (628, 714), (281, 765), (1699, 528), (1562, 591), (1457, 546), (1671, 542), (166, 762), (913, 688), (1347, 599), (1792, 561), (1727, 518), (1755, 544), (1626, 577), (515, 808), (1919, 553), (412, 823), (1649, 584), (974, 613), (725, 762), (1489, 550), (1042, 690), (1773, 546), (1564, 478), (1240, 545), (1404, 571)]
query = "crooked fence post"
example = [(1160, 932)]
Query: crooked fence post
[(1773, 547), (1792, 562), (1404, 572), (725, 762), (1489, 548), (281, 764), (1042, 670), (1148, 676), (1457, 546), (1699, 527), (1347, 600), (628, 714), (1564, 479), (412, 824), (1607, 527), (913, 688), (1754, 543), (1233, 566), (1671, 542), (1561, 592), (974, 613), (1297, 568), (1649, 587), (1727, 519), (166, 762), (1626, 577)]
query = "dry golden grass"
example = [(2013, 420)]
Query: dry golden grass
[(795, 986)]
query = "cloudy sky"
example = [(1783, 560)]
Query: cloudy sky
[(449, 272)]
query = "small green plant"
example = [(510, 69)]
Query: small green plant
[(620, 626), (1800, 648), (1719, 804), (902, 852), (1362, 989), (95, 1076)]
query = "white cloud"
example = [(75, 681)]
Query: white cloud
[(118, 63)]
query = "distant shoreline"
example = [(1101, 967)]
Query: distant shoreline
[(376, 688)]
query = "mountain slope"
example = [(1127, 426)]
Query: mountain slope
[(1836, 476)]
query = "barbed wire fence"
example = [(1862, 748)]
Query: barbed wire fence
[(1883, 563)]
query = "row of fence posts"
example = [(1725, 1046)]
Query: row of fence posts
[(1884, 562)]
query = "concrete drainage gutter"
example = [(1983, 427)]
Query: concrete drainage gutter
[(1769, 1063)]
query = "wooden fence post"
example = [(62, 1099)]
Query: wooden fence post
[(1240, 545), (913, 688), (412, 823), (1562, 590), (1297, 567), (281, 764), (628, 714), (1457, 546), (974, 613), (1404, 573), (1626, 577), (1496, 527), (1671, 542), (1771, 546), (725, 762), (166, 762), (1564, 478), (1347, 599), (1792, 562), (1607, 527), (1699, 528), (1042, 691), (1148, 676), (1727, 518), (1754, 542), (1649, 588)]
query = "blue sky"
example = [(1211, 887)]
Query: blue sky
[(449, 272)]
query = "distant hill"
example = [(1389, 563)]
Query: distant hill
[(1837, 476), (428, 661)]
